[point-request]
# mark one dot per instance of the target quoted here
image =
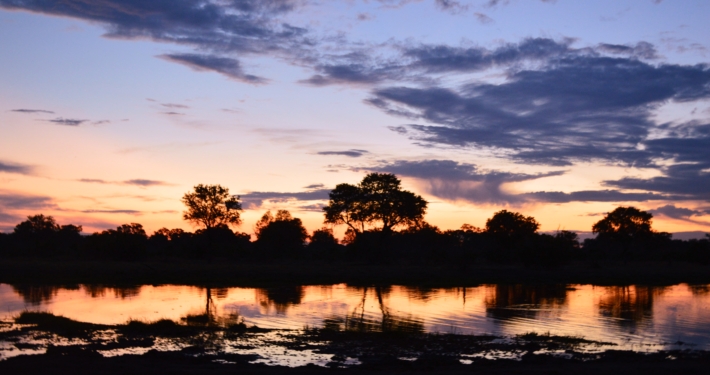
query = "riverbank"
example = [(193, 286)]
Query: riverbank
[(42, 343), (170, 364), (229, 273)]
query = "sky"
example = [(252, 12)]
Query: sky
[(562, 110)]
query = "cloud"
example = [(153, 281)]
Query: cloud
[(173, 113), (688, 175), (129, 212), (244, 26), (366, 68), (9, 167), (228, 66), (365, 17), (482, 18), (67, 121), (32, 111), (256, 199), (451, 6), (314, 186), (643, 50), (591, 196), (142, 182), (674, 212), (318, 207), (173, 105), (136, 182), (579, 108), (451, 180), (354, 153), (14, 201)]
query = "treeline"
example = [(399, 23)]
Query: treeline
[(507, 238), (385, 224)]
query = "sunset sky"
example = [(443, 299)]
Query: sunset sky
[(563, 110)]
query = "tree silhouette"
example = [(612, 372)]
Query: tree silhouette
[(511, 224), (212, 206), (37, 225), (624, 223), (377, 200), (282, 234)]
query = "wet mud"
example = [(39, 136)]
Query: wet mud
[(45, 343)]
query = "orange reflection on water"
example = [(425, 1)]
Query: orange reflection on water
[(629, 315)]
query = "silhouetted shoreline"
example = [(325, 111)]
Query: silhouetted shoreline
[(197, 348), (216, 272)]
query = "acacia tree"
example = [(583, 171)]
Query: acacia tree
[(212, 206), (377, 200)]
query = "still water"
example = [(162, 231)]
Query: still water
[(633, 317)]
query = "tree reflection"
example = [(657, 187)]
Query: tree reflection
[(359, 321), (524, 301), (122, 292), (38, 294), (629, 305), (210, 317), (280, 297)]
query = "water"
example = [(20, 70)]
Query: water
[(640, 318)]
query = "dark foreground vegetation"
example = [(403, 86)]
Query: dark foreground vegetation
[(202, 347), (387, 240)]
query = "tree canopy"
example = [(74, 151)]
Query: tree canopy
[(211, 206), (511, 224), (377, 201), (624, 222)]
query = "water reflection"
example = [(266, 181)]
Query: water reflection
[(280, 298), (388, 321), (38, 294), (623, 314), (629, 305), (507, 302)]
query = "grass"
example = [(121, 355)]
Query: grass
[(547, 337)]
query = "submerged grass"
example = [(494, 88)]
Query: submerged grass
[(569, 340), (55, 323)]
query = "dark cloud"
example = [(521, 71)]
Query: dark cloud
[(314, 186), (591, 196), (173, 113), (451, 6), (228, 66), (136, 182), (32, 111), (256, 198), (363, 67), (689, 176), (452, 180), (318, 207), (354, 153), (67, 121), (241, 26), (579, 108), (8, 167), (643, 50), (674, 212), (12, 201), (141, 182)]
